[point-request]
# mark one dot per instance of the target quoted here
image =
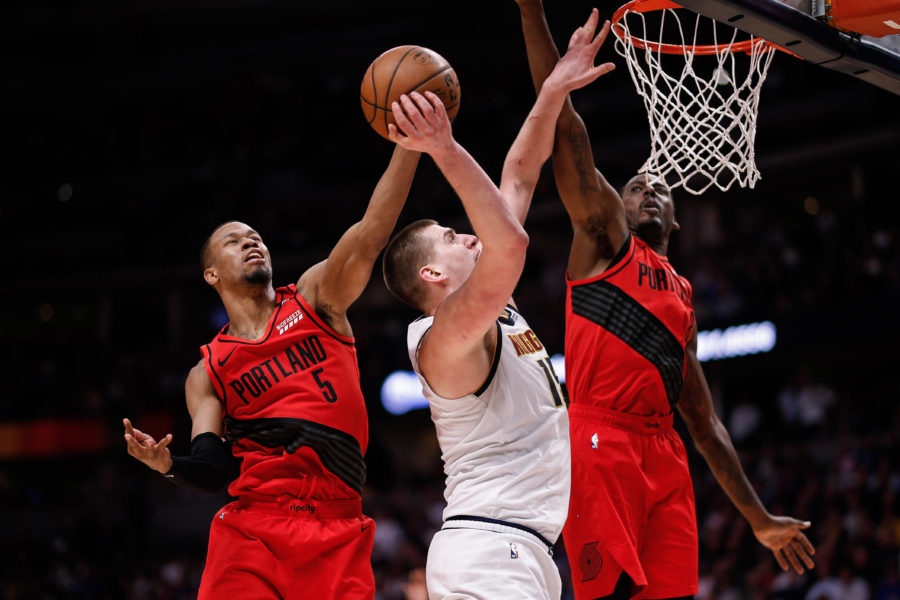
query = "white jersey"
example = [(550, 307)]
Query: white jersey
[(505, 447)]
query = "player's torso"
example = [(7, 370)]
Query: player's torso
[(626, 331), (292, 396), (505, 447)]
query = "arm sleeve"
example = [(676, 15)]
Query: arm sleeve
[(204, 470)]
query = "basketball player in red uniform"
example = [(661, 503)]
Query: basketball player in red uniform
[(281, 381), (631, 358)]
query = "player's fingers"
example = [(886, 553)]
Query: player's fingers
[(779, 558), (591, 26), (127, 423), (425, 105), (437, 104), (413, 113), (164, 442), (601, 70), (801, 551), (394, 134), (601, 36), (402, 121), (807, 545), (792, 558)]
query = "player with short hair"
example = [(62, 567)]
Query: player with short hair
[(631, 358), (495, 401), (283, 374)]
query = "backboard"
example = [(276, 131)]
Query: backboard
[(801, 26)]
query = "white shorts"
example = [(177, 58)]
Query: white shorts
[(489, 561)]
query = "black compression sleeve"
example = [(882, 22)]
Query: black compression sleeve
[(204, 469)]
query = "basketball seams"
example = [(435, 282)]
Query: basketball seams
[(426, 80), (391, 68), (387, 93), (375, 96)]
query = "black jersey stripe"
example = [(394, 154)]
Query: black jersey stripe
[(338, 451), (624, 317)]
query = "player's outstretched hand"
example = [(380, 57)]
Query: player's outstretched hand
[(147, 450), (423, 122), (576, 68), (785, 538)]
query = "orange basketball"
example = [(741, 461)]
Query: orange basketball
[(403, 70)]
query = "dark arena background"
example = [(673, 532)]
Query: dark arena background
[(130, 129)]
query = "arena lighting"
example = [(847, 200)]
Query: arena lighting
[(739, 340), (401, 391)]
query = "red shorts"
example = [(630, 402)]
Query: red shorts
[(632, 506), (293, 549)]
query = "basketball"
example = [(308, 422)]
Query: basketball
[(403, 70)]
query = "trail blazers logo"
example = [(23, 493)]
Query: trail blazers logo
[(590, 561), (289, 322)]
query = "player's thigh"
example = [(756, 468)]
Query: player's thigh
[(237, 565), (471, 563), (332, 557), (671, 549)]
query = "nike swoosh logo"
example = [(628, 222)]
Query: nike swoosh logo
[(222, 361)]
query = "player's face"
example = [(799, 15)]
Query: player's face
[(240, 254), (648, 206), (455, 253)]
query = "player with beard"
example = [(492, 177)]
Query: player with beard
[(631, 359), (281, 380)]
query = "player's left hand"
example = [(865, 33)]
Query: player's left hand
[(785, 538), (576, 67)]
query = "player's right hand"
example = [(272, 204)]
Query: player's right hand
[(423, 122), (785, 538), (146, 449)]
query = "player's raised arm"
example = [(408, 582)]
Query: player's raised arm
[(534, 143), (594, 206), (468, 314), (334, 284), (780, 534)]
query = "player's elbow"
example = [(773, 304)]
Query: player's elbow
[(517, 245)]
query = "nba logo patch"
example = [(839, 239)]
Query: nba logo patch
[(594, 441), (513, 550)]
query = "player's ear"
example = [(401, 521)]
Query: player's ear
[(210, 275), (431, 274), (675, 225)]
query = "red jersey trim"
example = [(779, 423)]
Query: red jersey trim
[(207, 353)]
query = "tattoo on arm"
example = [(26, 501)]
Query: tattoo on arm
[(581, 146)]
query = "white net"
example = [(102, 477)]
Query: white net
[(701, 96)]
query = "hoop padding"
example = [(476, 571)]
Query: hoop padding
[(701, 111)]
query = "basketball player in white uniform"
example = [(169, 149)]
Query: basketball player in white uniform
[(495, 401)]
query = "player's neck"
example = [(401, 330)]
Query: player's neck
[(249, 310), (659, 244)]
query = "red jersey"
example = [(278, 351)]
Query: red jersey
[(626, 331), (294, 409)]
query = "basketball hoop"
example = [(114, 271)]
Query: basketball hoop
[(701, 91)]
